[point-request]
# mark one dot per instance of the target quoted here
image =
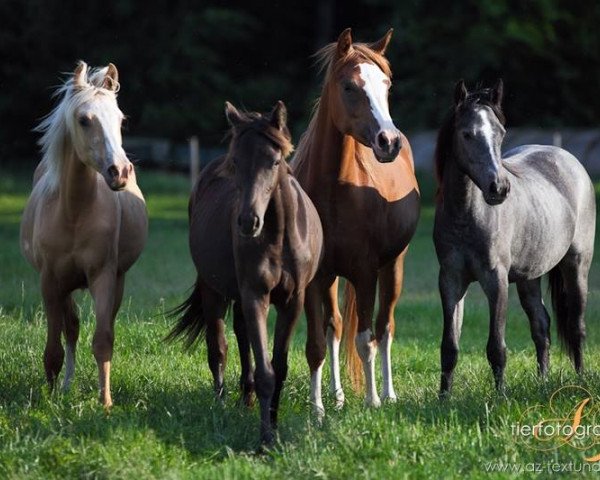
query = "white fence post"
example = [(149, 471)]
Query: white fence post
[(194, 159)]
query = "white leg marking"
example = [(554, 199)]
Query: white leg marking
[(315, 394), (385, 350), (367, 351), (69, 367), (335, 385)]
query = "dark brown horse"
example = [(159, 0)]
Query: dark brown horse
[(358, 170), (256, 239)]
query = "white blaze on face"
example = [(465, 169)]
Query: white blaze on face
[(376, 87), (488, 134)]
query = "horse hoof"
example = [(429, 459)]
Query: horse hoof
[(340, 399), (373, 402), (318, 414), (389, 398)]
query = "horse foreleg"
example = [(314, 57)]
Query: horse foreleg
[(452, 291), (54, 353), (334, 337), (215, 308), (71, 331), (255, 307), (530, 295), (315, 342), (365, 340), (287, 316), (247, 374), (107, 292), (495, 286), (390, 287)]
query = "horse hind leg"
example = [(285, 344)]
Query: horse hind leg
[(569, 286), (71, 332), (530, 296), (334, 336), (390, 287), (54, 352), (215, 308)]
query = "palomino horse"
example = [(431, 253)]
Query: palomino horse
[(358, 170), (512, 218), (256, 239), (85, 222)]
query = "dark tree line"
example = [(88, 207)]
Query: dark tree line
[(180, 60)]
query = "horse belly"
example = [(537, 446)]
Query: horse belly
[(211, 247)]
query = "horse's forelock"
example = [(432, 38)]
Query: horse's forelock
[(328, 60)]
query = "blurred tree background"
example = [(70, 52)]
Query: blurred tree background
[(180, 60)]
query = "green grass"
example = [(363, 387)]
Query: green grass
[(165, 423)]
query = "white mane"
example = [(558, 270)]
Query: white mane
[(57, 125)]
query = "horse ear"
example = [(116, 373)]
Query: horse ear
[(111, 79), (278, 116), (460, 92), (80, 74), (498, 92), (234, 117), (381, 45), (344, 43)]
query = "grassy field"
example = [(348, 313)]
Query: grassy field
[(165, 423)]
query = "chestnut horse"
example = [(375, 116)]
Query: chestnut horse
[(358, 170), (85, 222), (255, 239)]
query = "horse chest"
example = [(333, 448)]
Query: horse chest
[(362, 226)]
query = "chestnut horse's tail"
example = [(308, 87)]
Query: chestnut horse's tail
[(350, 316), (191, 323)]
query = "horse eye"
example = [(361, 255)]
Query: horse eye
[(466, 135), (84, 121)]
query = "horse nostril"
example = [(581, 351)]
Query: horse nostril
[(494, 188), (256, 222), (113, 171), (382, 140)]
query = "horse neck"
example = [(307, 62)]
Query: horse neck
[(328, 152), (77, 185), (287, 219), (460, 194)]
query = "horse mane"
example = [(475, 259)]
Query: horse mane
[(444, 149), (55, 126), (328, 61), (254, 121)]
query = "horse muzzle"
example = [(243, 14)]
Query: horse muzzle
[(117, 176), (498, 192), (387, 145), (249, 225)]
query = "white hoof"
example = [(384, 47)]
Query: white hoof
[(389, 397), (372, 402), (340, 399), (318, 414)]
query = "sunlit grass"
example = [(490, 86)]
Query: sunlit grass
[(165, 423)]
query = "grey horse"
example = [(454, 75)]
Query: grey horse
[(512, 218)]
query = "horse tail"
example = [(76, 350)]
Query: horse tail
[(350, 316), (567, 333), (191, 323)]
